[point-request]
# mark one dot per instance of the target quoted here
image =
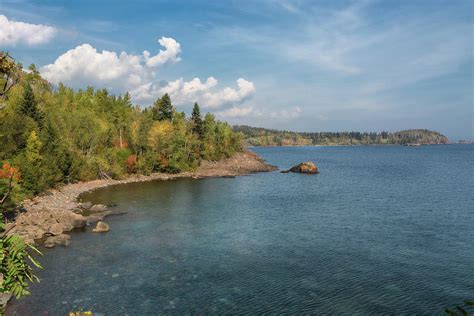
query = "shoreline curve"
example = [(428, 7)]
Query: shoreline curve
[(51, 214)]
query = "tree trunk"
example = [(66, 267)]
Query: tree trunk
[(121, 144)]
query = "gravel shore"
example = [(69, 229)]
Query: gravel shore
[(48, 217)]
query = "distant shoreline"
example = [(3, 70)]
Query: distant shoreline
[(356, 145), (259, 136)]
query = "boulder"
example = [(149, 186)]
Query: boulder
[(101, 227), (63, 240), (71, 220), (34, 232), (98, 208), (4, 298), (56, 229), (304, 167), (46, 222), (85, 206)]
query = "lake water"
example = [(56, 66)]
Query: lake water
[(379, 230)]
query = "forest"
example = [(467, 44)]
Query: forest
[(53, 136), (255, 136)]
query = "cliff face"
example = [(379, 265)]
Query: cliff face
[(267, 137)]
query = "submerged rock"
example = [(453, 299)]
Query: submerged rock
[(101, 227), (62, 240), (98, 208), (94, 218), (304, 167)]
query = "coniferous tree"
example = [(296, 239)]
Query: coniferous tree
[(163, 109), (29, 106), (197, 120)]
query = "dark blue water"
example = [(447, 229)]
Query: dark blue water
[(379, 230)]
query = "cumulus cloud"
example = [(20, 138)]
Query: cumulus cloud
[(229, 95), (206, 93), (85, 65), (170, 54), (12, 32)]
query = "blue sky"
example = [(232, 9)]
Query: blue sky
[(297, 65)]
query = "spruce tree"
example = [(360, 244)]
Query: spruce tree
[(29, 107), (197, 120), (163, 109)]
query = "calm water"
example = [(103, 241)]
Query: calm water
[(379, 230)]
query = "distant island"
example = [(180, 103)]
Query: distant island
[(257, 136)]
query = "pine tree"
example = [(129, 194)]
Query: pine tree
[(197, 120), (163, 109), (29, 106), (127, 99)]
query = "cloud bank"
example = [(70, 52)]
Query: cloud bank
[(13, 33), (85, 65), (185, 92)]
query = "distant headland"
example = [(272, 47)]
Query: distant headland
[(257, 136)]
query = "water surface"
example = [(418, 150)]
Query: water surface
[(379, 230)]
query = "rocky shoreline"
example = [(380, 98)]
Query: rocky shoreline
[(47, 218)]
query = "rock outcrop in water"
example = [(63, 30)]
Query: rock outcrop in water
[(62, 240), (101, 227), (304, 167)]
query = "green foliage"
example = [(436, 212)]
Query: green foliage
[(16, 263), (197, 120), (31, 165), (218, 139), (256, 136), (163, 109), (15, 255), (10, 73), (29, 106), (62, 136)]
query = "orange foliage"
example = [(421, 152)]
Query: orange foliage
[(163, 161), (9, 172), (117, 144), (131, 163)]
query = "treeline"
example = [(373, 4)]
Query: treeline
[(51, 136), (257, 136)]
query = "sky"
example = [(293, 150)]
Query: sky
[(364, 65)]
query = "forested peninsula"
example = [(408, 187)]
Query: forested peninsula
[(256, 136), (53, 136)]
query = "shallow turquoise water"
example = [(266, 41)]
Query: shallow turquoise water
[(379, 230)]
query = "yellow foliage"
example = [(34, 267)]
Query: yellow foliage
[(160, 135)]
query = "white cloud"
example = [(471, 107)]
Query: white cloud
[(286, 114), (229, 95), (12, 32), (186, 92), (170, 54), (84, 65), (236, 112)]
